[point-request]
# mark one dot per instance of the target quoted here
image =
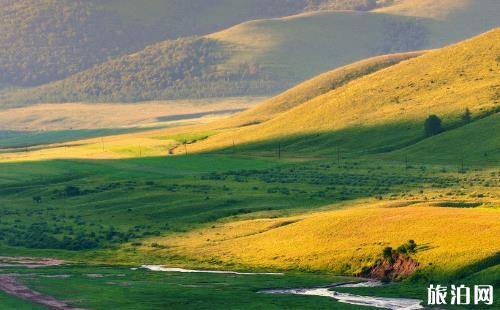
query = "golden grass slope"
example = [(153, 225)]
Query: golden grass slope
[(442, 82), (344, 241), (314, 87)]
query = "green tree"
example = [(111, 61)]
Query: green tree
[(433, 126)]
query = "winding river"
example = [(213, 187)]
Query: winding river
[(377, 302)]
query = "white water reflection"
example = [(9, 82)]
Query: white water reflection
[(377, 302), (166, 269)]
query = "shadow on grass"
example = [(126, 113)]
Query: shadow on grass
[(473, 144)]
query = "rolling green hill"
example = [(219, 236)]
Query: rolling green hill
[(385, 111), (267, 56), (46, 40)]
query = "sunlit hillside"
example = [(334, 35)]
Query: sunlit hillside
[(345, 241), (236, 154), (386, 110), (314, 87)]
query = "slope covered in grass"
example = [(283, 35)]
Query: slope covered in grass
[(345, 241), (46, 40), (456, 19), (258, 57), (314, 87), (473, 144), (265, 56), (386, 110)]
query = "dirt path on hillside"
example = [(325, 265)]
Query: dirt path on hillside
[(10, 285)]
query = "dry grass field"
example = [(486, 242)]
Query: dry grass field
[(45, 117), (345, 241)]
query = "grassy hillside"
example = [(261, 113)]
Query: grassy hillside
[(343, 242), (254, 58), (456, 19), (473, 144), (386, 110), (122, 200), (47, 40), (314, 87), (266, 56)]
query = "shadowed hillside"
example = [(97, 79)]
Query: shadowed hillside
[(267, 56), (255, 58), (46, 40)]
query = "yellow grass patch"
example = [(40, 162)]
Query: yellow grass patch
[(344, 241)]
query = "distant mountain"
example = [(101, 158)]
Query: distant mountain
[(46, 40), (259, 57)]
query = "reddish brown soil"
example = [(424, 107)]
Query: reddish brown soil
[(401, 267)]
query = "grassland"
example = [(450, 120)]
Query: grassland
[(343, 242), (67, 116), (313, 88), (322, 186), (168, 195), (104, 287), (240, 213), (10, 302)]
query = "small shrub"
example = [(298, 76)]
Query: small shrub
[(387, 252)]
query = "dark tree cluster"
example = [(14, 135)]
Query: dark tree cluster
[(181, 68), (433, 126), (42, 41), (45, 40)]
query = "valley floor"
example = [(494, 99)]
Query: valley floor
[(310, 215)]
